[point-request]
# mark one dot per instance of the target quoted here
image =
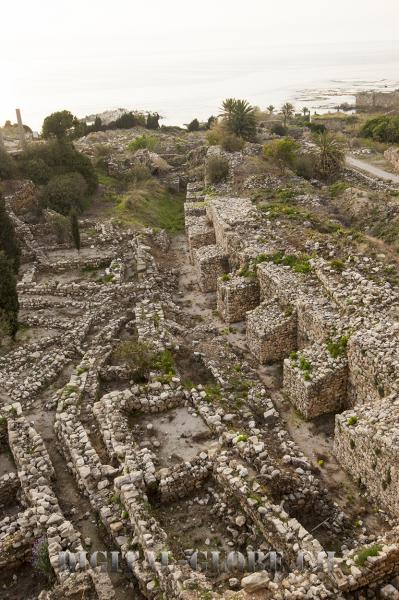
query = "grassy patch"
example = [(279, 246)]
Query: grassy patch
[(338, 347), (363, 555), (150, 205)]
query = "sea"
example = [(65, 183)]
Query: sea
[(185, 85)]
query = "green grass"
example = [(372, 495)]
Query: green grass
[(151, 205), (106, 180), (338, 347), (363, 555)]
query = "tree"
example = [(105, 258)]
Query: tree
[(239, 118), (8, 241), (193, 126), (64, 193), (153, 121), (283, 152), (287, 111), (75, 229), (305, 111), (210, 122), (330, 158), (270, 109), (9, 305), (57, 124)]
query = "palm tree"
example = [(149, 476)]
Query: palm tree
[(270, 108), (288, 111), (305, 111), (331, 155), (239, 117)]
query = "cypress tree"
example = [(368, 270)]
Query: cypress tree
[(8, 241), (9, 305), (75, 230)]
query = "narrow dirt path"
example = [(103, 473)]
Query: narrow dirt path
[(371, 169)]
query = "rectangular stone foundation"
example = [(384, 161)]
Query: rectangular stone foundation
[(320, 390), (277, 281), (211, 264), (200, 233), (367, 446), (271, 332), (236, 296), (373, 364)]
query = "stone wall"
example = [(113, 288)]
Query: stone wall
[(179, 481), (235, 296), (373, 363), (378, 100), (315, 382), (211, 264), (367, 445), (271, 332)]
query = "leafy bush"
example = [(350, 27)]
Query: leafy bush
[(37, 170), (127, 121), (61, 158), (217, 169), (283, 152), (305, 167), (338, 347), (279, 129), (64, 193), (139, 358), (316, 127), (143, 141), (194, 125), (232, 142), (153, 121), (8, 167), (382, 129), (352, 420)]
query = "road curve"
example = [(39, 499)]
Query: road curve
[(355, 163)]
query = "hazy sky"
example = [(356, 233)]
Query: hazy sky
[(46, 43)]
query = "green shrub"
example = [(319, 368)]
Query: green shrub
[(304, 364), (194, 125), (65, 193), (37, 171), (8, 167), (337, 264), (148, 142), (217, 169), (279, 129), (61, 158), (304, 166), (382, 129), (138, 356), (338, 347), (352, 420), (283, 152), (232, 142)]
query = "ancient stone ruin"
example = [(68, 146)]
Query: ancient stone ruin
[(170, 396)]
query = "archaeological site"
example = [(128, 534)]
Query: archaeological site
[(199, 360)]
